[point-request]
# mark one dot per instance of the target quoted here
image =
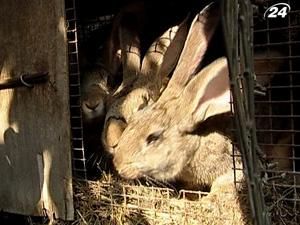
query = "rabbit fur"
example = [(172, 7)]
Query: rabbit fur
[(160, 116), (147, 86), (184, 136), (94, 94), (100, 79), (158, 139), (170, 141), (156, 67)]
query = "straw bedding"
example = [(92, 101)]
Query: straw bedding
[(114, 201)]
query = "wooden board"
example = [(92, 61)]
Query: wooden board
[(35, 151)]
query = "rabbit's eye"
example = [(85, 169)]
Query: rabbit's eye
[(154, 137)]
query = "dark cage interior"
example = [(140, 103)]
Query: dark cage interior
[(277, 66)]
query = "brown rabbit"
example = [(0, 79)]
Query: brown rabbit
[(178, 104), (95, 94), (146, 88), (186, 139), (99, 82), (188, 124), (184, 136)]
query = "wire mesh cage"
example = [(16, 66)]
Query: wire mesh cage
[(277, 65), (78, 154), (85, 39), (276, 53), (111, 202), (276, 56)]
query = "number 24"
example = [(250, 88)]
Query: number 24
[(274, 12)]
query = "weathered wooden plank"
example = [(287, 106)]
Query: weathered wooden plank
[(35, 151)]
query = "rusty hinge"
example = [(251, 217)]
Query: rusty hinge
[(24, 80)]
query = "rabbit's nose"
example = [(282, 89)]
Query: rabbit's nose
[(126, 170), (91, 106)]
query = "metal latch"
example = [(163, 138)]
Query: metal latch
[(27, 80)]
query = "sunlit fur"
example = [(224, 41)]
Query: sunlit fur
[(95, 94)]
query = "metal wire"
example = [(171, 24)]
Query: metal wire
[(237, 20), (78, 153), (282, 118)]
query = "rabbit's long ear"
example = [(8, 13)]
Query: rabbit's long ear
[(128, 34), (130, 54), (162, 56), (198, 39), (208, 93), (172, 54)]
